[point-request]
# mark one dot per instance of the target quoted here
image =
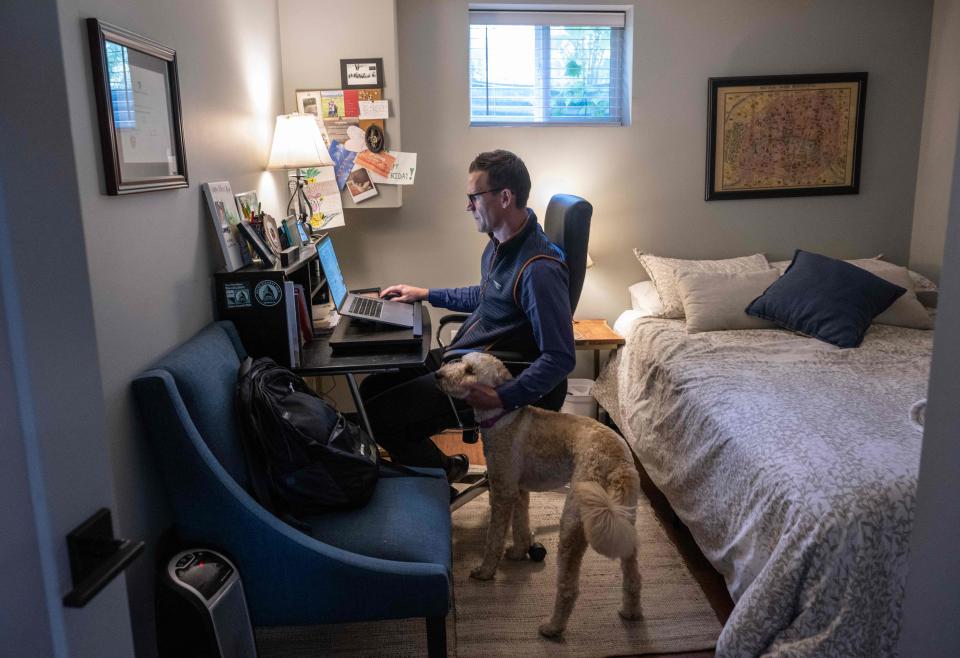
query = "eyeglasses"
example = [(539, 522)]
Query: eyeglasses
[(472, 198)]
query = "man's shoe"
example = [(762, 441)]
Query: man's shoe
[(456, 467)]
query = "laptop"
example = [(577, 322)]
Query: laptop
[(398, 314)]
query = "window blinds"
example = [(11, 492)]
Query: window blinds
[(557, 67)]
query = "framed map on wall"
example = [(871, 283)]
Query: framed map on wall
[(784, 135)]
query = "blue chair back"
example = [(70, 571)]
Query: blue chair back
[(205, 372)]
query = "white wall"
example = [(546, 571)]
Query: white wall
[(938, 143), (646, 181), (151, 255)]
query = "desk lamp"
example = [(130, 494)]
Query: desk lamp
[(297, 143)]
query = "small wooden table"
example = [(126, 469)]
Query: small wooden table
[(596, 335)]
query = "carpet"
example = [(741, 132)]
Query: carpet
[(500, 617)]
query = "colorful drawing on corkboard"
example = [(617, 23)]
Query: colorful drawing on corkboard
[(789, 135)]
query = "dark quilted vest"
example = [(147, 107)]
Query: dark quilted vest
[(499, 323)]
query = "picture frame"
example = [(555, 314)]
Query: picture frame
[(364, 73), (248, 204), (137, 91), (290, 231), (784, 135), (261, 249)]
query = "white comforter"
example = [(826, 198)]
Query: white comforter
[(794, 465)]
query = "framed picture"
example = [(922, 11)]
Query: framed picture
[(248, 204), (138, 109), (784, 135), (361, 73)]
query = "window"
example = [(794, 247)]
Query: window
[(547, 67)]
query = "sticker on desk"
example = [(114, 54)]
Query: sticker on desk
[(237, 295), (268, 293)]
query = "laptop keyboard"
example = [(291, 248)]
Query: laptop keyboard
[(366, 306)]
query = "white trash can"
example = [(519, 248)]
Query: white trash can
[(579, 400)]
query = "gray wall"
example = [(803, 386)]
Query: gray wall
[(646, 181), (151, 255), (938, 143)]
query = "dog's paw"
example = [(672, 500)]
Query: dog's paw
[(549, 629), (516, 552), (630, 615), (482, 573)]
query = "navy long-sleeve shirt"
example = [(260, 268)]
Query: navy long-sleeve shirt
[(545, 301)]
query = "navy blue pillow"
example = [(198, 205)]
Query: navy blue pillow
[(825, 298)]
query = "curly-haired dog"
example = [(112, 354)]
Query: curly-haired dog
[(532, 449)]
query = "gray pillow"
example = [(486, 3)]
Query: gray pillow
[(714, 301)]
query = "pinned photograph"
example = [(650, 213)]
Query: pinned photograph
[(309, 101), (360, 186)]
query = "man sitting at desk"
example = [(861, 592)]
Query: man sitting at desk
[(522, 304)]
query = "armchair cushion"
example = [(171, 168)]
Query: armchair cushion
[(401, 522)]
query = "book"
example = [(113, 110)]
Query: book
[(293, 331), (303, 314), (222, 208)]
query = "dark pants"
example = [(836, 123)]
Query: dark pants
[(406, 408)]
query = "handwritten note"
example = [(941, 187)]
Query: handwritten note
[(374, 109), (403, 172)]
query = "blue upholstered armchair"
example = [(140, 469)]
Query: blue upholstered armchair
[(387, 560)]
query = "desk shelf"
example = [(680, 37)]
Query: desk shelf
[(255, 299)]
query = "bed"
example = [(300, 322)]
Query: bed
[(794, 465)]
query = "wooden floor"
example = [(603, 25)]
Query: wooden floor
[(706, 576)]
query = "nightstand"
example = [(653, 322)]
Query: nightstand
[(596, 335)]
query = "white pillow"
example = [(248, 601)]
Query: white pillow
[(663, 272), (644, 299), (715, 301)]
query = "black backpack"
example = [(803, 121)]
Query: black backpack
[(304, 456)]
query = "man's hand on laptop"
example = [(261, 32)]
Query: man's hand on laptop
[(403, 293)]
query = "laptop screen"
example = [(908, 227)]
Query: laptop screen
[(331, 269)]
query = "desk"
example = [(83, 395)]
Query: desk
[(318, 360), (595, 335)]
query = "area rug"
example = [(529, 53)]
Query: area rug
[(500, 617)]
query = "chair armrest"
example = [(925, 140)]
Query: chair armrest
[(450, 318), (508, 358)]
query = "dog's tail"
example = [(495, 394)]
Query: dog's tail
[(609, 515)]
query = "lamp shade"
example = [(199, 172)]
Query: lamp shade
[(297, 143)]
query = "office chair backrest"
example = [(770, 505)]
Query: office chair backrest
[(567, 224)]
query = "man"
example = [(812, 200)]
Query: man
[(522, 304)]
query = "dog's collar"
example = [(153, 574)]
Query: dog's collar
[(487, 423)]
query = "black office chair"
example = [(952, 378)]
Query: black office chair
[(567, 225)]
